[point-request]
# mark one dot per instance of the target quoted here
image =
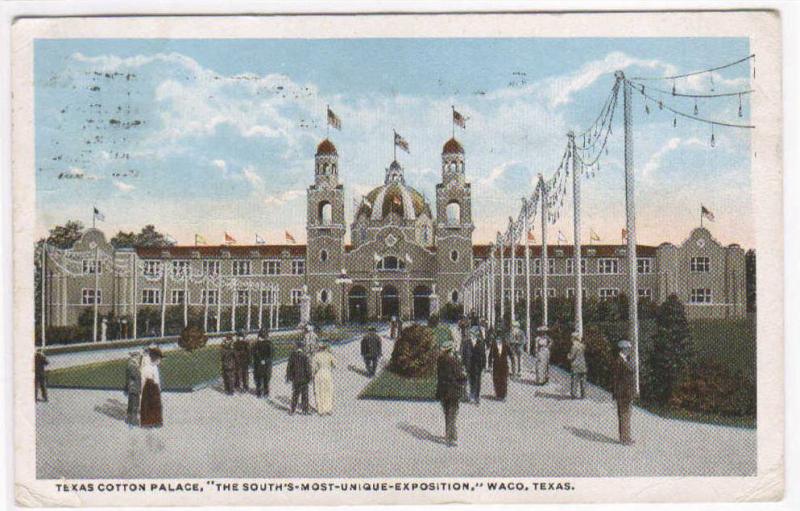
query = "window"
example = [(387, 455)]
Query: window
[(89, 266), (180, 268), (453, 213), (537, 267), (506, 266), (700, 264), (519, 294), (324, 296), (151, 296), (646, 293), (209, 296), (520, 266), (607, 265), (606, 293), (426, 234), (298, 267), (325, 213), (571, 266), (178, 296), (454, 255), (242, 297), (454, 296), (211, 267), (323, 255), (296, 295), (268, 297), (551, 292), (644, 265), (700, 295), (271, 267), (241, 267), (152, 268), (571, 292), (88, 295), (391, 263)]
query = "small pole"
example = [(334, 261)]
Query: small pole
[(502, 280), (163, 295), (513, 245), (94, 300), (576, 230), (135, 297), (527, 272), (43, 274), (543, 189)]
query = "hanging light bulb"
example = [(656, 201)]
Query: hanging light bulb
[(675, 122), (712, 81), (673, 87), (642, 89), (660, 105), (740, 105), (695, 107), (713, 142), (646, 108)]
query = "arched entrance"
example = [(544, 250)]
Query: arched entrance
[(357, 300), (422, 302), (390, 302)]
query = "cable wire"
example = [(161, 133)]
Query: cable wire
[(693, 73)]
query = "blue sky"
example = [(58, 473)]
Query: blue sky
[(207, 136)]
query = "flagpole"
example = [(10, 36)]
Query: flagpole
[(453, 120), (701, 216), (543, 190), (576, 228), (94, 216), (327, 121), (394, 145), (96, 285)]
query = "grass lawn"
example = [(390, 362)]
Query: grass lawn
[(387, 385), (732, 342), (180, 371)]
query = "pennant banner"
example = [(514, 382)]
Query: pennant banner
[(333, 120), (289, 237)]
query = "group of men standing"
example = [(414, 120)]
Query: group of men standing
[(237, 355)]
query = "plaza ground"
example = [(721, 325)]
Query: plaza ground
[(538, 431)]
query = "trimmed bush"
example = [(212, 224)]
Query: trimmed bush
[(192, 338), (414, 354)]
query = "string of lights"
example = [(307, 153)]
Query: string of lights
[(694, 73)]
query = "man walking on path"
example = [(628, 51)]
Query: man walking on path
[(39, 375), (450, 380), (298, 372), (517, 341), (624, 390), (133, 386), (371, 350), (262, 363), (228, 359), (477, 363), (242, 350), (499, 360), (577, 360)]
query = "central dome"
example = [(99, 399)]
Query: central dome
[(452, 146), (394, 198)]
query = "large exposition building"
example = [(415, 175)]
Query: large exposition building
[(401, 252)]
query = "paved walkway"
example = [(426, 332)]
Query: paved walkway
[(538, 431)]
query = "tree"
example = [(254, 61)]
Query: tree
[(750, 279), (147, 237), (671, 352)]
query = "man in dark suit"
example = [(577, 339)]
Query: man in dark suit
[(450, 380), (39, 375), (228, 359), (262, 362), (242, 350), (371, 350), (298, 372), (476, 363), (624, 390)]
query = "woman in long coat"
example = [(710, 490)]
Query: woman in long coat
[(499, 360), (150, 412), (322, 368)]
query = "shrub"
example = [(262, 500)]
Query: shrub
[(192, 338), (415, 352), (324, 313), (451, 311), (709, 387), (671, 351)]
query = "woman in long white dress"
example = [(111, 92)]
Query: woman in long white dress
[(322, 368)]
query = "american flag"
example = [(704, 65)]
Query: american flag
[(229, 238), (459, 119), (333, 120), (705, 212), (401, 142), (289, 237)]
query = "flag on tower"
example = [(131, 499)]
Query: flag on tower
[(593, 235), (199, 240), (259, 240), (289, 237), (459, 119), (401, 142), (531, 236), (561, 237), (229, 238), (98, 215), (624, 234), (706, 213), (333, 120)]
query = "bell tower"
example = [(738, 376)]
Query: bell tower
[(325, 228), (454, 225)]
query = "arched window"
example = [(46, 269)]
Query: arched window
[(453, 212), (324, 296), (323, 255), (454, 255), (325, 213), (391, 263), (426, 233), (454, 296)]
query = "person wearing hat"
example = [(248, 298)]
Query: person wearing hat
[(310, 340), (450, 380), (133, 386), (241, 348), (393, 328), (517, 341), (40, 362), (476, 362), (298, 372), (542, 362), (624, 389), (150, 410), (577, 361), (371, 350), (500, 360), (262, 362), (322, 365), (228, 359)]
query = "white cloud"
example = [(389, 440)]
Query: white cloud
[(123, 187), (283, 197), (655, 161)]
